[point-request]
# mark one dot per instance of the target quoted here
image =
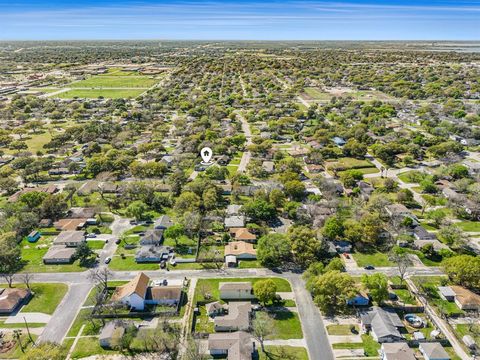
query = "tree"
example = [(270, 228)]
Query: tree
[(464, 270), (53, 207), (27, 279), (405, 196), (265, 291), (84, 253), (295, 189), (313, 271), (273, 250), (335, 264), (9, 256), (306, 248), (354, 148), (350, 178), (332, 290), (333, 228), (193, 350), (277, 198), (377, 285), (187, 202), (262, 327), (259, 209), (137, 210), (437, 216), (402, 259), (174, 232)]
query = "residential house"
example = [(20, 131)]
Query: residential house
[(365, 189), (236, 345), (59, 255), (433, 351), (397, 210), (446, 293), (235, 221), (133, 293), (168, 160), (437, 245), (465, 299), (33, 236), (163, 295), (70, 238), (12, 298), (238, 317), (69, 224), (383, 323), (233, 209), (397, 351), (111, 330), (242, 234), (163, 222), (152, 237), (360, 299), (241, 250), (152, 253), (215, 308), (268, 166), (339, 141), (223, 160), (82, 212), (236, 291), (420, 233)]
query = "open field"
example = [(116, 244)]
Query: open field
[(114, 82)]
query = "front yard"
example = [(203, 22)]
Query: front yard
[(377, 259)]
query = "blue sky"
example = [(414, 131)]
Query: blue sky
[(241, 19)]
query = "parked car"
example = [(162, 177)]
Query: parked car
[(163, 264), (91, 236), (107, 260), (369, 267), (118, 241)]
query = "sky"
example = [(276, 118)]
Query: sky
[(240, 20)]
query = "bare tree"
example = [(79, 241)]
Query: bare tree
[(193, 350), (27, 279), (262, 326), (100, 276), (403, 262)]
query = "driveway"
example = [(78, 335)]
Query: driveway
[(29, 317)]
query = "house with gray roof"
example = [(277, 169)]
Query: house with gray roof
[(238, 317), (236, 221), (384, 324), (433, 351)]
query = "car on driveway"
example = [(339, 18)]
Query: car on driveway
[(369, 267), (107, 260)]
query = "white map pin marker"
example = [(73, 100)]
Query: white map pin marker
[(206, 154)]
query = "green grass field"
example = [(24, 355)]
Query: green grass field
[(340, 329), (46, 297), (105, 93), (286, 325), (114, 82), (375, 259), (283, 352)]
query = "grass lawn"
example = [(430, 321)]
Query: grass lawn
[(89, 329), (347, 345), (429, 285), (364, 171), (129, 264), (105, 93), (211, 285), (36, 141), (203, 322), (89, 346), (34, 263), (283, 352), (286, 325), (405, 296), (114, 82), (375, 259), (20, 325), (469, 226), (412, 176), (347, 163), (340, 329), (370, 346), (46, 297), (249, 264), (316, 94), (464, 329), (96, 244)]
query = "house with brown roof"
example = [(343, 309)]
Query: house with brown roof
[(241, 250), (133, 293), (70, 238), (397, 351), (59, 255), (465, 299), (238, 317), (242, 234), (235, 345), (163, 295), (69, 224), (236, 290), (12, 298)]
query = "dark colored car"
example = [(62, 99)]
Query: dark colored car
[(369, 267)]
